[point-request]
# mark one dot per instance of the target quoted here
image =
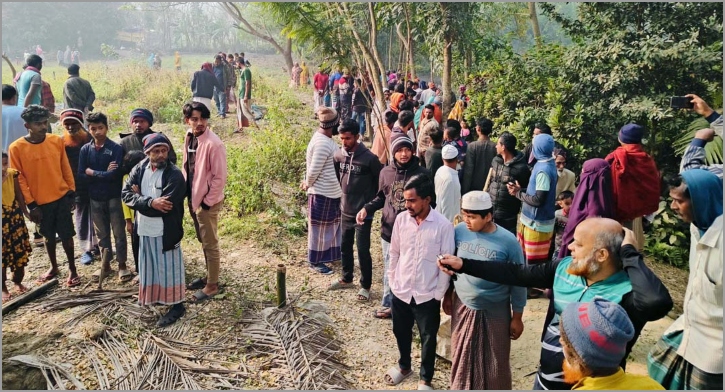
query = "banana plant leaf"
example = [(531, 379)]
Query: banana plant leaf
[(713, 150)]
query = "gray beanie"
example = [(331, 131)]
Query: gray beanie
[(599, 332)]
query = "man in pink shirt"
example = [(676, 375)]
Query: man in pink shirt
[(418, 237), (205, 169)]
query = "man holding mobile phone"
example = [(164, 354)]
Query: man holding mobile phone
[(694, 156)]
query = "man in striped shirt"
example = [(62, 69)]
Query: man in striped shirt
[(324, 234)]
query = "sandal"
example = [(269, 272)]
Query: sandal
[(124, 275), (171, 316), (46, 277), (363, 295), (73, 282), (395, 376), (196, 284), (200, 296), (340, 284), (97, 275), (424, 387), (384, 313)]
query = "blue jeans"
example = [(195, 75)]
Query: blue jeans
[(220, 97), (360, 118), (387, 294)]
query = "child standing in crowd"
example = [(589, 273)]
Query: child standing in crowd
[(16, 243), (561, 216)]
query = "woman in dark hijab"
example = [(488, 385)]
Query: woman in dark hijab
[(593, 198)]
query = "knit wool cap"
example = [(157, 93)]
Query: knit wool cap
[(631, 134), (476, 201), (399, 140), (449, 152), (155, 139), (599, 332), (328, 117), (143, 113), (72, 114)]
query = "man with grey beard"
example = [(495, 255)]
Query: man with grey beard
[(603, 252)]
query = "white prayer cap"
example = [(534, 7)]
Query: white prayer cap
[(476, 201)]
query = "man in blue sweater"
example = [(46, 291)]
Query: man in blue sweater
[(100, 162)]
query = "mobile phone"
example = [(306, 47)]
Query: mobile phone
[(681, 103)]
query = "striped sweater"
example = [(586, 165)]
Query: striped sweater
[(320, 175)]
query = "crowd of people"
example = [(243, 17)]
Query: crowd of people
[(467, 224)]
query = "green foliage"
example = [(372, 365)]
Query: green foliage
[(109, 52), (669, 239)]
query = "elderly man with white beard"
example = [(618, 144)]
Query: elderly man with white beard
[(604, 263)]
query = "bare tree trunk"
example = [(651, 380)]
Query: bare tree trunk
[(242, 24), (10, 64), (373, 33), (534, 22), (447, 57), (390, 46)]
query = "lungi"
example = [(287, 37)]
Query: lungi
[(673, 372), (84, 226), (162, 278), (481, 345), (324, 232), (535, 244)]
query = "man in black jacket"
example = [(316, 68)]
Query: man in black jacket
[(508, 166), (603, 264), (156, 189), (390, 199), (359, 173), (141, 121)]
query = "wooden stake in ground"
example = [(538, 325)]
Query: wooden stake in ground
[(28, 296), (281, 286)]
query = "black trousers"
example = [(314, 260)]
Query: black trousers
[(351, 233), (507, 223), (135, 240), (428, 317)]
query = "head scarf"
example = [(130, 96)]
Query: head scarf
[(543, 147), (593, 198), (705, 197)]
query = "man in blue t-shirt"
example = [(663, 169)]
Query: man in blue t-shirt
[(485, 316), (13, 125)]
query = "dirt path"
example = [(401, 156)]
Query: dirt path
[(248, 271)]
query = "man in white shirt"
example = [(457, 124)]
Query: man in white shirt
[(689, 354), (418, 237), (13, 125), (447, 184)]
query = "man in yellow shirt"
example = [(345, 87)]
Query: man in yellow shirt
[(594, 338)]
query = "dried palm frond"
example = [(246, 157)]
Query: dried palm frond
[(55, 373), (160, 363), (60, 302), (301, 344)]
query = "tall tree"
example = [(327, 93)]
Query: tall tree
[(262, 31), (534, 22)]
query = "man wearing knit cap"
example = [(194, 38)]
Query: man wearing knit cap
[(635, 181), (141, 121), (390, 199), (447, 186), (156, 190), (594, 337), (485, 316), (48, 185), (603, 264), (324, 235), (74, 138)]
